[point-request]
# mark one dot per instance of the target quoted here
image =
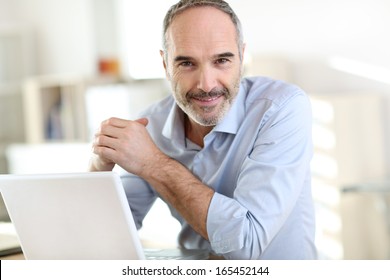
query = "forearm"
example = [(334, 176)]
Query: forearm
[(179, 187)]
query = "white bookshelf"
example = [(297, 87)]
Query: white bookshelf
[(54, 109), (71, 109)]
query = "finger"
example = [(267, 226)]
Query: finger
[(120, 123), (115, 122), (108, 130), (113, 126), (143, 121), (105, 154), (104, 141)]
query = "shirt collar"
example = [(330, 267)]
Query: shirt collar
[(234, 117), (174, 125)]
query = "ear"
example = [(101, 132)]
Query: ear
[(163, 59), (243, 52), (162, 54)]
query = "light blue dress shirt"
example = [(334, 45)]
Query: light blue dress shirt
[(257, 159)]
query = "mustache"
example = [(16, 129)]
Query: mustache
[(204, 94)]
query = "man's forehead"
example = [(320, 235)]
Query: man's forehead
[(202, 27), (200, 20)]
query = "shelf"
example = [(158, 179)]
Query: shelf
[(54, 109)]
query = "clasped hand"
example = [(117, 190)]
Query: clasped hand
[(126, 143)]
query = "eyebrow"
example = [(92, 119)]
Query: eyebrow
[(225, 54), (182, 58), (187, 58)]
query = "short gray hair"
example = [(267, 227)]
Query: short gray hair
[(221, 5)]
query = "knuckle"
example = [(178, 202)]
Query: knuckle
[(107, 122), (98, 140), (111, 120)]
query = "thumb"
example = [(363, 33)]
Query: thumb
[(143, 121)]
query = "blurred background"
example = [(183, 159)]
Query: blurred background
[(66, 65)]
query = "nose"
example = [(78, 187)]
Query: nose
[(207, 79)]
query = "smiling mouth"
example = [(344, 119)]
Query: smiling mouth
[(207, 99)]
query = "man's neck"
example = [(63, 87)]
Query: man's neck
[(196, 132)]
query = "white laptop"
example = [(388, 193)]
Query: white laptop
[(77, 216), (9, 243)]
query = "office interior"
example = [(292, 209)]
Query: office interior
[(65, 66)]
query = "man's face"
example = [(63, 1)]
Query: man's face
[(203, 63)]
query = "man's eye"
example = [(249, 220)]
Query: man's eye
[(186, 64), (221, 61)]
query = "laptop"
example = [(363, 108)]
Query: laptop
[(76, 216), (9, 242)]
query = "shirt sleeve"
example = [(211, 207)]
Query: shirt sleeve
[(271, 179), (140, 197)]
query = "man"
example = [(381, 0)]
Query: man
[(229, 156)]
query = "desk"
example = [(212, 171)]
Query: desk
[(378, 187), (147, 244), (381, 188), (18, 256), (373, 186)]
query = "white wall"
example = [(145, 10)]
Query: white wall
[(354, 28), (6, 11), (66, 40), (64, 34)]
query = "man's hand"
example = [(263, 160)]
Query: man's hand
[(123, 142)]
